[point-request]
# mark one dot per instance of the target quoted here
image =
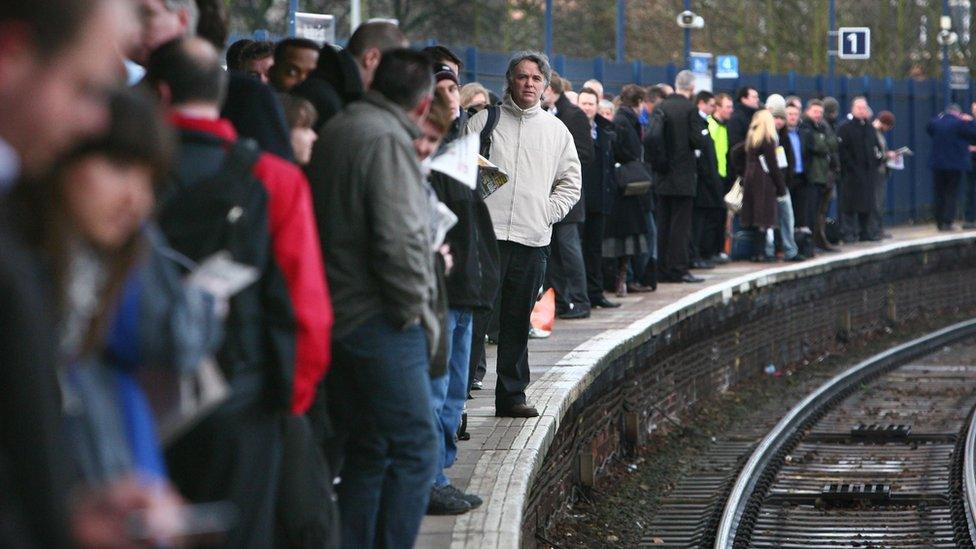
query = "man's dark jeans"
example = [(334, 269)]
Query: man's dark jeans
[(521, 272), (946, 183), (379, 392)]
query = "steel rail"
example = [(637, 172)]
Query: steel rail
[(969, 476), (764, 454)]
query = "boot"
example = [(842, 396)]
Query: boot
[(621, 280)]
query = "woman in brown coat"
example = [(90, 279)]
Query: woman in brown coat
[(762, 181)]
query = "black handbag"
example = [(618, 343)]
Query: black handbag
[(633, 179)]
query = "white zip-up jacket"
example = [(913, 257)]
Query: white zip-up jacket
[(538, 153)]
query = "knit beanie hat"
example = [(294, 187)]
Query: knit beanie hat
[(831, 106), (776, 105)]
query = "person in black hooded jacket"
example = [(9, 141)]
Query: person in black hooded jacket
[(256, 113)]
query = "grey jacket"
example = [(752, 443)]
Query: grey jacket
[(539, 155), (372, 215)]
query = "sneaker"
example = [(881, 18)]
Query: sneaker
[(536, 333), (472, 500), (477, 385), (443, 502)]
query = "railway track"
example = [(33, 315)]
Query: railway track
[(879, 456)]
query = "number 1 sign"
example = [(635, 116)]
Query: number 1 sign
[(854, 43)]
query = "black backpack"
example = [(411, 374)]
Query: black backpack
[(229, 211), (655, 142), (494, 112)]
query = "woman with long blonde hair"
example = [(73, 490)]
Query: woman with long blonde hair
[(754, 161)]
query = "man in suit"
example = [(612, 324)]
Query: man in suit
[(598, 195), (567, 273)]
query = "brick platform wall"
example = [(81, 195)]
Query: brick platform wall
[(729, 341)]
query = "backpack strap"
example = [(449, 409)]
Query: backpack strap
[(494, 112)]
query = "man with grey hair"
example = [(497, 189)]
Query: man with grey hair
[(676, 188), (162, 21), (538, 153)]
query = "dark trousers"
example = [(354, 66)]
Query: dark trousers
[(823, 193), (479, 329), (970, 203), (946, 184), (233, 455), (674, 215), (802, 194), (707, 232), (567, 273), (379, 394), (876, 220), (593, 229), (521, 271)]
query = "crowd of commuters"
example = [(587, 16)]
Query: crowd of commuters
[(240, 308)]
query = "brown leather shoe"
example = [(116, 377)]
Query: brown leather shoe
[(517, 410)]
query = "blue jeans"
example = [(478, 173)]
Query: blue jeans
[(381, 382), (450, 391), (785, 210)]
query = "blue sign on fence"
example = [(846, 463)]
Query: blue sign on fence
[(854, 43), (699, 63), (726, 66)]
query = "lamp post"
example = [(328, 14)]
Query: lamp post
[(831, 43), (549, 28), (687, 38), (621, 30)]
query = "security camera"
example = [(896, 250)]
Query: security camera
[(688, 20), (946, 38)]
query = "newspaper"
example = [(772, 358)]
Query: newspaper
[(492, 177)]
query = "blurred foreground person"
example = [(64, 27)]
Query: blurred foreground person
[(57, 59), (372, 212), (229, 196), (129, 326)]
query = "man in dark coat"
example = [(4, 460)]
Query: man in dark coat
[(598, 196), (952, 132), (708, 219), (859, 159), (677, 188), (567, 273), (819, 145), (746, 105)]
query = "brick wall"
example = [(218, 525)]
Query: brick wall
[(668, 369)]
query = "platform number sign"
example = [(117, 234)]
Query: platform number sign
[(854, 43)]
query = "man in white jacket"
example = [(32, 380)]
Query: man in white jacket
[(538, 153)]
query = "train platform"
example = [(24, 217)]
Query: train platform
[(500, 460)]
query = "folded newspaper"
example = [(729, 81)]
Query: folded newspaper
[(492, 177)]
